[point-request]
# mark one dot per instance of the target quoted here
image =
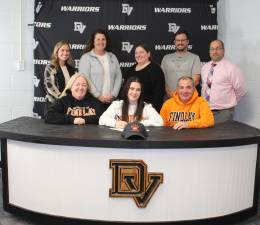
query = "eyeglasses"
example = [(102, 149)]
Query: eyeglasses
[(180, 40), (217, 49)]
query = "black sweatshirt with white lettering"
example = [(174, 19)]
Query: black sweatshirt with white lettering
[(67, 108)]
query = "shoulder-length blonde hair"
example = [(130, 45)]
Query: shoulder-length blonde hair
[(71, 81), (54, 54)]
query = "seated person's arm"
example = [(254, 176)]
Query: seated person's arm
[(206, 118), (56, 114)]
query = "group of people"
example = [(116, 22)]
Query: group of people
[(151, 94)]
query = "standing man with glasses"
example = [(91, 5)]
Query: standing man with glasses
[(180, 63), (223, 83)]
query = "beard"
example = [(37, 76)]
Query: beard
[(181, 48)]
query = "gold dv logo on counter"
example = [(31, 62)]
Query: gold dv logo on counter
[(131, 179)]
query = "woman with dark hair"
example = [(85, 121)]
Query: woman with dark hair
[(75, 105), (58, 72), (101, 67), (131, 108), (150, 74)]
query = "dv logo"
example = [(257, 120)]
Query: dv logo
[(36, 81), (126, 46), (212, 9), (79, 26), (127, 9), (173, 27), (35, 44), (131, 179), (38, 7)]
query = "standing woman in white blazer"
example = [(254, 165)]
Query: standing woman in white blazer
[(131, 108)]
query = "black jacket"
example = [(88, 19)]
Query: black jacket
[(66, 109)]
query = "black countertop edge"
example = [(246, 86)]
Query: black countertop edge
[(132, 144)]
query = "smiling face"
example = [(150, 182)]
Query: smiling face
[(181, 42), (63, 53), (185, 90), (79, 88), (134, 92), (100, 42), (141, 55)]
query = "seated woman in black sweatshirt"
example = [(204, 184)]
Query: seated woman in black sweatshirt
[(75, 105)]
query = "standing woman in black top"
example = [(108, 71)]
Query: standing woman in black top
[(58, 72), (150, 74)]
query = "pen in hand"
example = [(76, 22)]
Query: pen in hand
[(119, 122), (117, 117)]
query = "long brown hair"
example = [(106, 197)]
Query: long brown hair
[(140, 103), (54, 54)]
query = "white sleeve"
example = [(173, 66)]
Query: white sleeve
[(151, 116), (109, 117)]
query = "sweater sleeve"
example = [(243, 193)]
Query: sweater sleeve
[(49, 82), (165, 113), (98, 108), (118, 79), (159, 89), (238, 82), (56, 114), (109, 117), (85, 68), (151, 117), (206, 118)]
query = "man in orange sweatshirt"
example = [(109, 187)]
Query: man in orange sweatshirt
[(185, 109)]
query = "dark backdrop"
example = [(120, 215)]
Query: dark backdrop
[(128, 23)]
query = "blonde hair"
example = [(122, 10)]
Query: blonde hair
[(71, 81), (54, 54)]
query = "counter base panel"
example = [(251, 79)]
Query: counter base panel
[(74, 182)]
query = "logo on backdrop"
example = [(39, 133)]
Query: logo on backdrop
[(69, 8), (42, 25), (127, 9), (36, 81), (35, 44), (38, 7), (77, 46), (127, 47), (126, 64), (126, 27), (173, 27), (79, 26), (131, 179), (76, 61), (168, 47), (209, 27), (39, 99), (40, 61), (172, 10), (212, 9)]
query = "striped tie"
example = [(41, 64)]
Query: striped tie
[(209, 82)]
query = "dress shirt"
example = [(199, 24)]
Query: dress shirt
[(227, 87)]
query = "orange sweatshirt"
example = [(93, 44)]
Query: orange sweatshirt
[(196, 112)]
